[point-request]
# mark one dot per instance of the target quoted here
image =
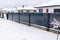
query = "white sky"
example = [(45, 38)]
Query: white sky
[(13, 3)]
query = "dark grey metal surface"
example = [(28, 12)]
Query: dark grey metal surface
[(10, 16), (41, 19), (24, 17)]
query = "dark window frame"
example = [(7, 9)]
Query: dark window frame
[(41, 10), (56, 10)]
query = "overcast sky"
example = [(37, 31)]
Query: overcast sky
[(17, 3)]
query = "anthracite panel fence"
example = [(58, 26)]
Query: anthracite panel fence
[(42, 19)]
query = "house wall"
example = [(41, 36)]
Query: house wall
[(50, 9)]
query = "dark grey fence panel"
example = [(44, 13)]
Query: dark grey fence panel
[(24, 17), (39, 19), (54, 17), (9, 16), (16, 17)]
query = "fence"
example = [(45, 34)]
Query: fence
[(41, 19)]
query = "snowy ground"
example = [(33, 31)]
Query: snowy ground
[(14, 31)]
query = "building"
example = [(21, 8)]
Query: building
[(27, 9), (51, 7), (5, 10), (20, 10)]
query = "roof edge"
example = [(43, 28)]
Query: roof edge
[(47, 6)]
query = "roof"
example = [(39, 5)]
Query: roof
[(5, 10), (52, 3), (47, 6), (18, 8), (8, 9), (26, 8)]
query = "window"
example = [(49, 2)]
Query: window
[(28, 10), (41, 10), (21, 11), (34, 10), (56, 10)]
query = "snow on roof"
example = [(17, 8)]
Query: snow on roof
[(16, 9), (52, 2), (5, 10), (26, 8), (9, 9), (19, 8)]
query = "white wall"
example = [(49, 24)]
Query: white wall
[(44, 10), (51, 9)]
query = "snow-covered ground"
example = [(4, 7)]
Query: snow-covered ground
[(15, 31)]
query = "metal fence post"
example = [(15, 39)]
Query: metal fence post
[(29, 19), (19, 17), (48, 17), (12, 16), (57, 33), (7, 16)]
